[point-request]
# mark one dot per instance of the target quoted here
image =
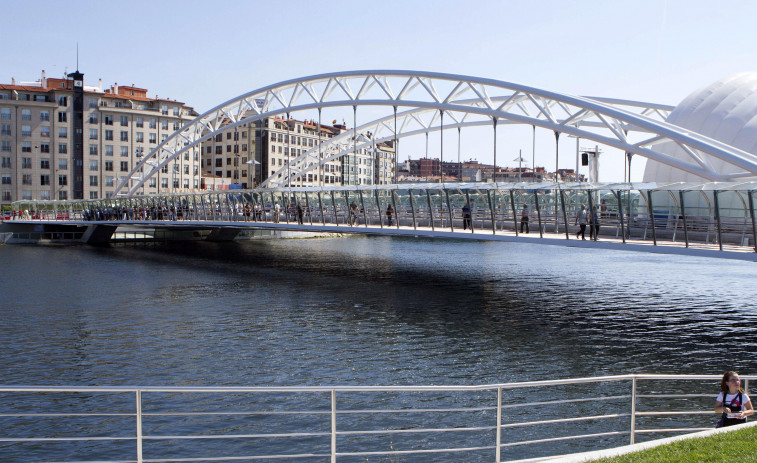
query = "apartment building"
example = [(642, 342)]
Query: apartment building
[(62, 139)]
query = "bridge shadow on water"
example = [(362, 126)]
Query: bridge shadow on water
[(582, 313)]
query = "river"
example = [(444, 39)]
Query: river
[(366, 311)]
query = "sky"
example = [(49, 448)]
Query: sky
[(204, 53)]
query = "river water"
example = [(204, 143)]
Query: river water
[(365, 311)]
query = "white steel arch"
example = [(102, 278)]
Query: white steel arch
[(424, 120), (455, 95)]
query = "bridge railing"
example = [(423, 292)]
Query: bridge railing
[(683, 216), (351, 423)]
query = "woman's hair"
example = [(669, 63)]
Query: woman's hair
[(724, 382)]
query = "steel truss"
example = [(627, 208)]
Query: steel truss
[(466, 101)]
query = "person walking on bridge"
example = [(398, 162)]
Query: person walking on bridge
[(389, 214), (524, 219), (581, 221)]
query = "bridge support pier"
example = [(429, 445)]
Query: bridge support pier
[(223, 234), (98, 234)]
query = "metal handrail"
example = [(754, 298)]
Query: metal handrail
[(336, 434)]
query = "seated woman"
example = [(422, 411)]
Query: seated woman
[(732, 401)]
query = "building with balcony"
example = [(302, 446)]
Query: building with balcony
[(62, 139)]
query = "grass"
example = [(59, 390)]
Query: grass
[(735, 446)]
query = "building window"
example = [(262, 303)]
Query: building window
[(44, 163), (124, 135), (26, 147), (164, 109), (92, 102), (62, 180), (44, 147), (153, 123), (44, 116), (175, 126), (62, 117), (108, 180), (124, 121), (62, 164), (164, 125), (93, 165), (62, 132), (140, 137), (164, 183), (153, 182), (6, 178), (63, 195), (124, 151), (124, 166), (26, 130), (108, 119), (26, 114), (6, 130), (62, 148), (109, 135), (7, 196), (109, 150), (219, 162), (26, 179), (6, 162), (93, 118), (93, 149), (140, 122), (5, 114), (153, 138), (109, 166), (44, 179), (93, 180), (44, 131), (93, 134), (93, 195), (5, 146), (26, 163)]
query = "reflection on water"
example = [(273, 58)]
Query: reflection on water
[(366, 311)]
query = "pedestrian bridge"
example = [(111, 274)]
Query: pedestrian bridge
[(703, 219)]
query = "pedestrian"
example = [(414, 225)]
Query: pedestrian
[(299, 213), (276, 212), (732, 402), (467, 217), (389, 214), (594, 230), (524, 219), (353, 213), (581, 221), (247, 212)]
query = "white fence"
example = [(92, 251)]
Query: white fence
[(495, 422)]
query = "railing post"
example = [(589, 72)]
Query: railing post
[(499, 425), (651, 217), (412, 208), (717, 219), (618, 195), (430, 209), (683, 214), (633, 410), (754, 225), (449, 210), (396, 211), (322, 209), (139, 426), (491, 212), (333, 426), (515, 211), (538, 213), (564, 213)]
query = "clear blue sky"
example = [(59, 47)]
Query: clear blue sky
[(204, 53)]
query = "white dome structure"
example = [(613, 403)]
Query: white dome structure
[(725, 111)]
